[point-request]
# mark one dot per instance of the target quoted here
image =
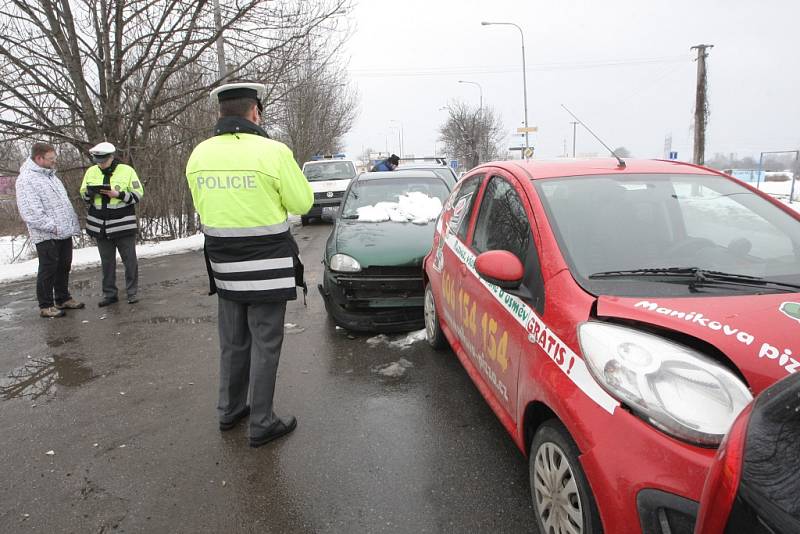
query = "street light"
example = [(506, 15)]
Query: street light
[(399, 135), (524, 75), (479, 89)]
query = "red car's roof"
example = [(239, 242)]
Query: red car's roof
[(582, 167)]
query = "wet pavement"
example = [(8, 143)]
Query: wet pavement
[(108, 423)]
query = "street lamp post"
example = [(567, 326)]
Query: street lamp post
[(524, 75), (480, 107), (399, 135)]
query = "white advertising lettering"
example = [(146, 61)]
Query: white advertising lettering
[(540, 334), (783, 357)]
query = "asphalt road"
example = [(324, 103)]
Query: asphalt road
[(125, 398)]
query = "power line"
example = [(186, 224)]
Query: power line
[(450, 70)]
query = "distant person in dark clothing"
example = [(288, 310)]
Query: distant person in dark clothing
[(389, 164)]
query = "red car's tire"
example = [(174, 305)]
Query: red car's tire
[(433, 331), (561, 493)]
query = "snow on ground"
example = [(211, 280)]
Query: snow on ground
[(88, 257), (780, 189), (414, 206), (394, 369), (400, 342), (10, 247)]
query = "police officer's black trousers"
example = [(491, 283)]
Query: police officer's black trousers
[(250, 339)]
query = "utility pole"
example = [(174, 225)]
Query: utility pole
[(223, 68), (574, 126), (700, 105)]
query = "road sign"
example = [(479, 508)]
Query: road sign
[(530, 129), (528, 152), (673, 155), (454, 164)]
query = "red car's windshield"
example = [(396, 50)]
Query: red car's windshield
[(656, 221)]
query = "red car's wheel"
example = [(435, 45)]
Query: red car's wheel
[(562, 499), (433, 331)]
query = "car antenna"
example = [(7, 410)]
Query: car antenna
[(619, 159)]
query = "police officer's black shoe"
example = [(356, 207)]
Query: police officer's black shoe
[(107, 301), (223, 426), (133, 299), (279, 428)]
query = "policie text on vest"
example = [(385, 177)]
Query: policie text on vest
[(227, 182)]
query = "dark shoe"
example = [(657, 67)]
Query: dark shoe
[(281, 427), (70, 304), (223, 426), (49, 313), (133, 299), (107, 301)]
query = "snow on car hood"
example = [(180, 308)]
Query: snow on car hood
[(760, 334), (414, 207)]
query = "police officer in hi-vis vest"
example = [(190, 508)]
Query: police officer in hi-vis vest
[(112, 190), (243, 184)]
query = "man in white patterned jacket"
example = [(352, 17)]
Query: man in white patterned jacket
[(45, 207)]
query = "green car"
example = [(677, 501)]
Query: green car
[(373, 257)]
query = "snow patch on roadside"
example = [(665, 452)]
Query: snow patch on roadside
[(89, 256), (414, 207), (400, 342), (395, 369)]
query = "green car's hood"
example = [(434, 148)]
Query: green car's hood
[(382, 243)]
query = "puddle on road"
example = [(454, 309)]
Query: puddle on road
[(40, 376), (168, 319)]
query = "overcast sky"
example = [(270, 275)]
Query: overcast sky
[(623, 66)]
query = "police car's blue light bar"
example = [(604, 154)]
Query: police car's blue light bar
[(317, 157)]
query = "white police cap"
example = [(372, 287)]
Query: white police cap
[(231, 91), (102, 149)]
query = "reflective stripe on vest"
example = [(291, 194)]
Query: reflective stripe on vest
[(255, 285), (253, 231), (252, 265)]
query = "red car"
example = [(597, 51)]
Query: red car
[(617, 318)]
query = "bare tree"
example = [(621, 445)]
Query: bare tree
[(86, 70), (137, 73), (471, 134), (319, 107)]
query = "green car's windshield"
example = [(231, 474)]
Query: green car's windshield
[(318, 171), (369, 192), (668, 221)]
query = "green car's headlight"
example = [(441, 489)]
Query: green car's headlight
[(344, 264), (673, 387)]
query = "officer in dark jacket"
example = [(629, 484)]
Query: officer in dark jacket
[(389, 164)]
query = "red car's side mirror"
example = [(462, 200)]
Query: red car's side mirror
[(501, 268)]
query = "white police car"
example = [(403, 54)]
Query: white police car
[(329, 177)]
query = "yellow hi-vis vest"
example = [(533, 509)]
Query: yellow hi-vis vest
[(243, 185), (112, 217)]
